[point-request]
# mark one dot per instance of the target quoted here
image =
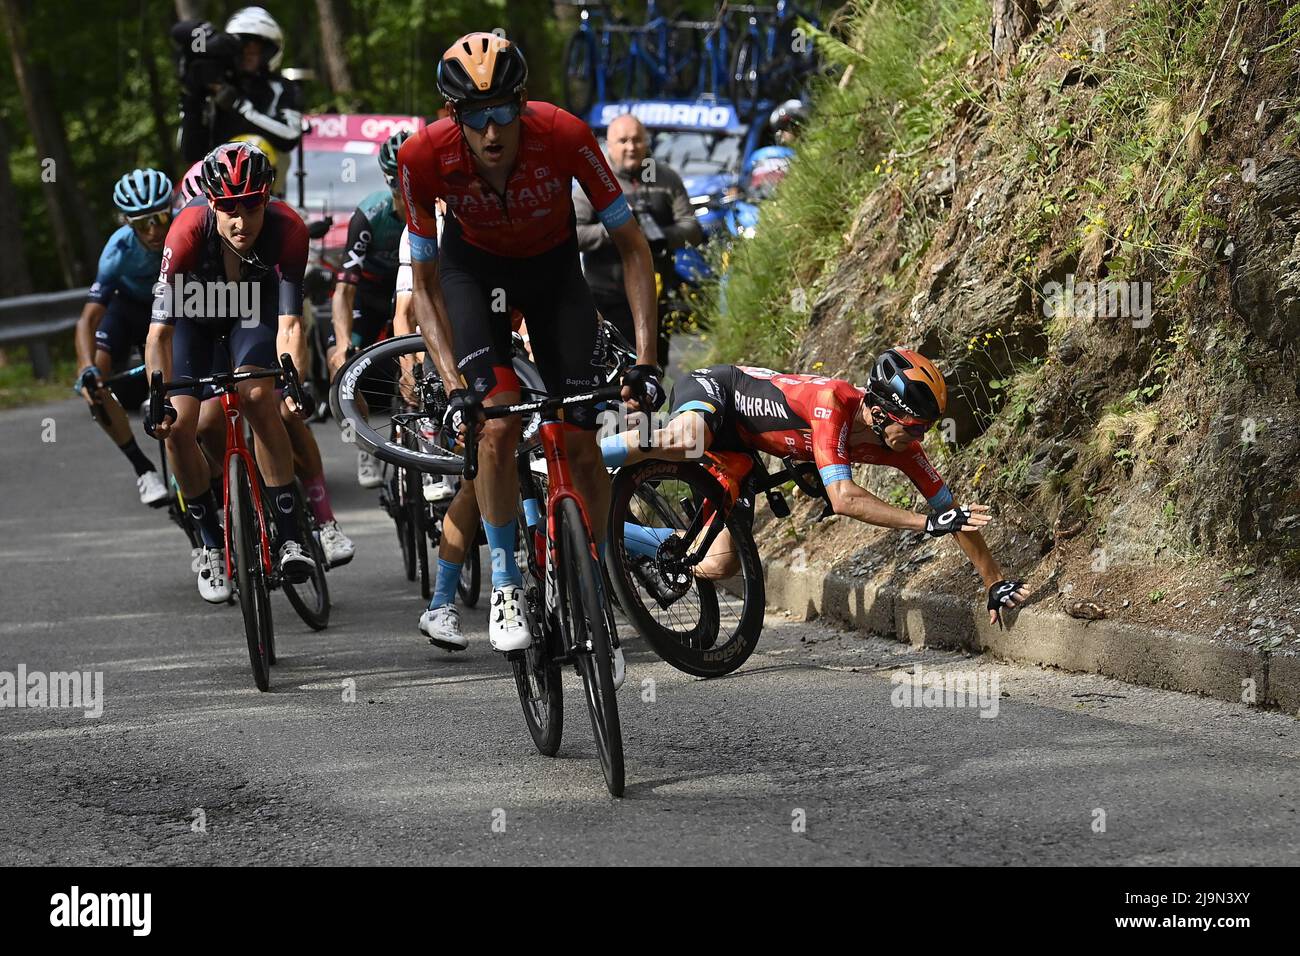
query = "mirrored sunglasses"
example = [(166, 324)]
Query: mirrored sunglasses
[(501, 114)]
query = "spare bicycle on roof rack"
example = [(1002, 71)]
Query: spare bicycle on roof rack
[(750, 54)]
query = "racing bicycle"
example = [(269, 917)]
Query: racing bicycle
[(249, 534), (565, 603)]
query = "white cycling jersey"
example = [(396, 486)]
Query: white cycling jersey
[(406, 284)]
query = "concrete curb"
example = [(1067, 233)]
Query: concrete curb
[(1154, 658)]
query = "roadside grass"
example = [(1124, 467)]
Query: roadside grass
[(19, 387)]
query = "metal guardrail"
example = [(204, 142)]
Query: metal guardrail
[(34, 319)]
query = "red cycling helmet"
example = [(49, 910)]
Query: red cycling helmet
[(237, 171)]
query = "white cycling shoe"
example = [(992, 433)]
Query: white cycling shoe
[(507, 628), (441, 625), (370, 474), (152, 491), (437, 488), (295, 566), (214, 586), (338, 547)]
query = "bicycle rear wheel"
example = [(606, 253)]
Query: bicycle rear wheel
[(244, 540), (699, 626), (747, 76), (685, 59), (310, 599), (586, 629)]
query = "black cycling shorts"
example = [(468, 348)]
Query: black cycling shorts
[(124, 326), (197, 349), (480, 289), (708, 392)]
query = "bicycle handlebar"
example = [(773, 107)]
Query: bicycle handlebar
[(605, 393)]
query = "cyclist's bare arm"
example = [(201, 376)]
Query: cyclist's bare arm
[(291, 337), (639, 284), (91, 315), (341, 305), (431, 317), (158, 357), (848, 498), (977, 550)]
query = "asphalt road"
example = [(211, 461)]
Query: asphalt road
[(798, 758)]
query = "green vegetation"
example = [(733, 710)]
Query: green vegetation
[(19, 387), (904, 63)]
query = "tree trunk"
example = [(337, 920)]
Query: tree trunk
[(331, 42), (15, 277), (191, 9), (163, 128), (526, 22), (50, 146), (1013, 22)]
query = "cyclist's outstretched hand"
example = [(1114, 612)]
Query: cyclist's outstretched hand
[(1005, 595), (964, 518), (88, 383), (643, 389)]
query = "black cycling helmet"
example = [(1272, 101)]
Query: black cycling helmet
[(480, 67), (388, 152), (906, 383)]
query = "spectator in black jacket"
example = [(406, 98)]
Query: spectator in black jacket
[(231, 85), (661, 205)]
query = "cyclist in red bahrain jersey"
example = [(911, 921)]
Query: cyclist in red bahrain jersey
[(724, 412), (503, 166)]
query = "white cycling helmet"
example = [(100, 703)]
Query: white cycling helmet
[(256, 22)]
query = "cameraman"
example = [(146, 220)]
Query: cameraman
[(662, 207), (230, 84)]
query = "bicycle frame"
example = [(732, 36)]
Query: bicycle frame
[(237, 447), (559, 485)]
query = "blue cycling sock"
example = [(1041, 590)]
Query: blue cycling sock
[(444, 590), (613, 448), (501, 548), (644, 541)]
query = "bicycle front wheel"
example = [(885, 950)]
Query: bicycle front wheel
[(418, 520), (471, 577), (703, 627), (244, 539), (586, 629), (381, 387)]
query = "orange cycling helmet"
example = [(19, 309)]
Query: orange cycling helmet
[(479, 67), (907, 384)]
